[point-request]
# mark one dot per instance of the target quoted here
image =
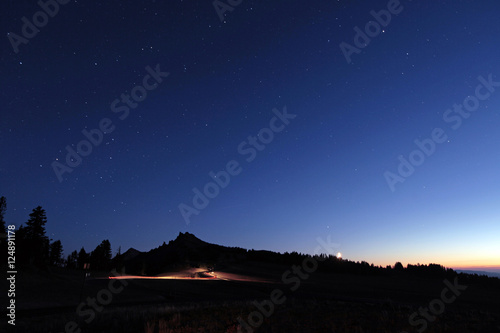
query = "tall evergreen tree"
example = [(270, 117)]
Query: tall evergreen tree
[(72, 260), (100, 258), (117, 261), (106, 250), (55, 255), (83, 258), (36, 223), (37, 243)]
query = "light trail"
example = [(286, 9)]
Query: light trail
[(130, 277)]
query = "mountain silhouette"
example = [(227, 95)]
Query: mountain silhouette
[(188, 251), (185, 251), (130, 254)]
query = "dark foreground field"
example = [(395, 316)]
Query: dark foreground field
[(296, 315), (50, 302)]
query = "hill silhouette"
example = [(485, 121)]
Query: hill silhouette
[(185, 251), (188, 251)]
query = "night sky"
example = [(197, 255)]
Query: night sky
[(312, 123)]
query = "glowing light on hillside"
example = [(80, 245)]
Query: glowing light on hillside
[(339, 255)]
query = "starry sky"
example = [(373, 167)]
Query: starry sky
[(312, 108)]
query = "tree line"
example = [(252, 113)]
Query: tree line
[(33, 246)]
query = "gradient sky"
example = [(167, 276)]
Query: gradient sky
[(322, 175)]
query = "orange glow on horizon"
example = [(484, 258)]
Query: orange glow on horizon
[(464, 264)]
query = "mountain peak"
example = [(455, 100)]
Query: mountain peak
[(189, 240), (130, 254)]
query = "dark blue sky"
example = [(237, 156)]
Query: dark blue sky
[(323, 174)]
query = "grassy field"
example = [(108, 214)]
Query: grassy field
[(47, 301), (296, 315)]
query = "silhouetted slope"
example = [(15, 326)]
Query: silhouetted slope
[(130, 254), (189, 251), (185, 251)]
